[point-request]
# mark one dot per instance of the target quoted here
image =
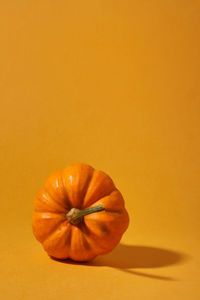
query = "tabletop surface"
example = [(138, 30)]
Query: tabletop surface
[(114, 84)]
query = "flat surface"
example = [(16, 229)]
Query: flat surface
[(114, 84)]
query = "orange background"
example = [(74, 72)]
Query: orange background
[(114, 84)]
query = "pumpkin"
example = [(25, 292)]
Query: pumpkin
[(79, 214)]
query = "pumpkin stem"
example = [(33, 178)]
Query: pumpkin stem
[(75, 215)]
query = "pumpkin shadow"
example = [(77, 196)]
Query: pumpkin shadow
[(128, 257)]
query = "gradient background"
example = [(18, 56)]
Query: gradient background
[(114, 84)]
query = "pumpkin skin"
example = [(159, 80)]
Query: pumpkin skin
[(81, 187)]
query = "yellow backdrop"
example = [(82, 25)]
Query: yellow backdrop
[(114, 84)]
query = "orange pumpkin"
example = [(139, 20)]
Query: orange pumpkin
[(79, 214)]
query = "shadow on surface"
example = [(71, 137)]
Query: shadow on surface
[(126, 257)]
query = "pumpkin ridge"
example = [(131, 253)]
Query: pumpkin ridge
[(53, 231), (86, 188), (50, 213), (42, 198), (70, 205), (109, 210), (101, 197), (114, 211), (68, 238), (93, 238), (88, 184), (59, 203), (53, 227), (84, 244), (108, 195)]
